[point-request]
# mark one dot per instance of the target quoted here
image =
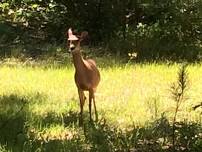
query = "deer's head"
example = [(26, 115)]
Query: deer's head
[(74, 40)]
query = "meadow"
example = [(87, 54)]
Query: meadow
[(39, 108)]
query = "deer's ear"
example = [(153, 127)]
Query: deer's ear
[(84, 35), (71, 36)]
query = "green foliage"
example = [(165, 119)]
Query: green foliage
[(165, 28)]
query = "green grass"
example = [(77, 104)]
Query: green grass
[(39, 105)]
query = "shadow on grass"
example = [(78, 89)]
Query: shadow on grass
[(157, 136), (15, 126), (12, 121)]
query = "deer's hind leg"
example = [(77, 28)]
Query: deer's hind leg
[(90, 103)]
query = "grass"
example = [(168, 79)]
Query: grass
[(39, 107)]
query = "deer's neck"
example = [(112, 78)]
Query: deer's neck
[(78, 61)]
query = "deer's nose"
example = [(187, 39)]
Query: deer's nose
[(72, 46)]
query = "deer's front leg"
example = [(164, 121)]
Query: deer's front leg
[(93, 98), (82, 101)]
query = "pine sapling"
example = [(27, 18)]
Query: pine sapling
[(178, 91)]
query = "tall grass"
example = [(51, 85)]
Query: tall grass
[(40, 104)]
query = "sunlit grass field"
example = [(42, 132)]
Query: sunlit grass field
[(45, 98)]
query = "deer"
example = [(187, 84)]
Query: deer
[(87, 75)]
